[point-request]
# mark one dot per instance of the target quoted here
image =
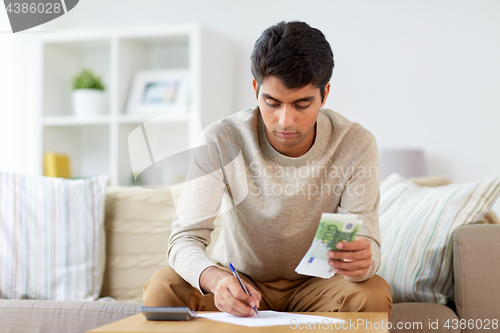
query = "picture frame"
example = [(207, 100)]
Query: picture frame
[(155, 91)]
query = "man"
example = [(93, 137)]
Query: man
[(297, 161)]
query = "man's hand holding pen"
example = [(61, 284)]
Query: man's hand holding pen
[(229, 296)]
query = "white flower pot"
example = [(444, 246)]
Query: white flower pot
[(87, 102)]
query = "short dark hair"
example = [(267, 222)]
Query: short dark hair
[(295, 53)]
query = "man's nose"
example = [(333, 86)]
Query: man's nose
[(286, 117)]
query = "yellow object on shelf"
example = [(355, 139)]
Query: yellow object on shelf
[(56, 165)]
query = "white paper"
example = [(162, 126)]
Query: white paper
[(269, 318)]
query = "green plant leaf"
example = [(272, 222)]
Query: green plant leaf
[(87, 79)]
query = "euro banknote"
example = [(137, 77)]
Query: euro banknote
[(332, 228)]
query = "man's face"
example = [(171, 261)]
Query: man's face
[(289, 114)]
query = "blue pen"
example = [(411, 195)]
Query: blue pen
[(241, 284)]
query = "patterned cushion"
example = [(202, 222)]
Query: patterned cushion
[(51, 237), (416, 225), (489, 217)]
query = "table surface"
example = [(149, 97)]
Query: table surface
[(357, 322)]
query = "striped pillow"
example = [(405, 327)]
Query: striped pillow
[(52, 243), (416, 225)]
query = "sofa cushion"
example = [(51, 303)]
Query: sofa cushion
[(416, 226), (423, 318), (51, 237), (137, 231), (489, 218), (35, 316)]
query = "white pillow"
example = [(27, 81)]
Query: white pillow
[(416, 225), (52, 241)]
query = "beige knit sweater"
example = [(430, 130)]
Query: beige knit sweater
[(278, 200)]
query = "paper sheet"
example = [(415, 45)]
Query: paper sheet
[(269, 318)]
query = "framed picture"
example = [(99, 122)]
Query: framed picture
[(159, 91)]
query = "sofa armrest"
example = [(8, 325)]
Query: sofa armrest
[(476, 249)]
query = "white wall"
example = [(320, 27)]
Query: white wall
[(416, 73), (17, 97)]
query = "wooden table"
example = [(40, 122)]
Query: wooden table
[(138, 323)]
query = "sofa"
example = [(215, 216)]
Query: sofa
[(137, 223)]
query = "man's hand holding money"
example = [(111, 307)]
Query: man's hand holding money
[(336, 229), (354, 258)]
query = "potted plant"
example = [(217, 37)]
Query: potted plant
[(88, 92)]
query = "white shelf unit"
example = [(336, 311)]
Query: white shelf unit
[(99, 144)]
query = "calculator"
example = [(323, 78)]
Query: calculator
[(167, 313)]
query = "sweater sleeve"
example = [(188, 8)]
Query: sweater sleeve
[(193, 222), (361, 196)]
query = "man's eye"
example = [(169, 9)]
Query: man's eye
[(273, 105), (300, 106)]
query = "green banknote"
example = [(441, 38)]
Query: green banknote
[(332, 228)]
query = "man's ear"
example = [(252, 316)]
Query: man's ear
[(327, 91), (255, 88)]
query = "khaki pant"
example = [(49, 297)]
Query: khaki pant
[(167, 288)]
